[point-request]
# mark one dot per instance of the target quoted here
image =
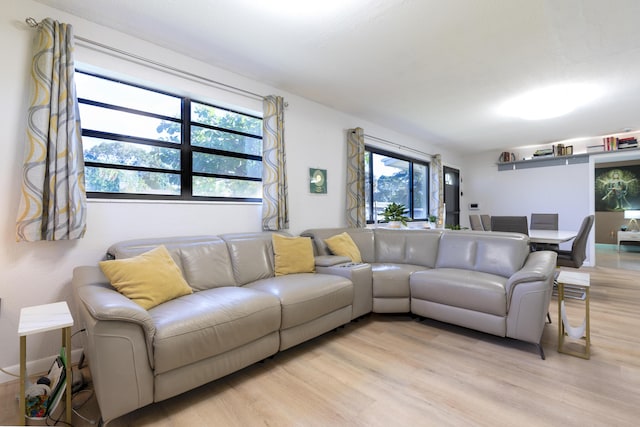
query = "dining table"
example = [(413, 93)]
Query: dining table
[(551, 236)]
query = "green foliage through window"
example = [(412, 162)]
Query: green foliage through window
[(391, 178), (142, 143)]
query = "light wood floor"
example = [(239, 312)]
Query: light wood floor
[(396, 371)]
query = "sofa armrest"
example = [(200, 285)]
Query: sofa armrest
[(330, 260), (104, 303), (361, 277), (528, 296), (119, 337), (539, 267)]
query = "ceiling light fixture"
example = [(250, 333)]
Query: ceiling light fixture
[(550, 102), (302, 9)]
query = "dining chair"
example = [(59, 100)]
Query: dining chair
[(578, 253), (544, 221), (486, 222), (513, 224), (475, 222)]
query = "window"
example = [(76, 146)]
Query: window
[(146, 144), (393, 178)]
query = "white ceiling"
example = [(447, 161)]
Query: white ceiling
[(434, 69)]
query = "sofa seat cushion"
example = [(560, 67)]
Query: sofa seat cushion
[(471, 290), (307, 296), (211, 322), (391, 280)]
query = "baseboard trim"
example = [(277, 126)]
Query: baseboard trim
[(36, 367)]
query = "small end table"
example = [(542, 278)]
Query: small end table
[(576, 280), (43, 318), (628, 236)]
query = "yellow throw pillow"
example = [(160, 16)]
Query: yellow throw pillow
[(342, 244), (293, 255), (148, 279)]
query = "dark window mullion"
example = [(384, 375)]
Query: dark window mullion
[(371, 192), (411, 184), (126, 138), (127, 110), (215, 151), (225, 176), (232, 131), (186, 180), (130, 168)]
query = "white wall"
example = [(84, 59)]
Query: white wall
[(40, 273)]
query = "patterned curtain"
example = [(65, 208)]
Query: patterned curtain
[(436, 193), (53, 203), (275, 213), (355, 179)]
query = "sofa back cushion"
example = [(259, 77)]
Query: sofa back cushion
[(251, 256), (490, 252), (131, 248), (417, 247), (207, 265), (362, 237)]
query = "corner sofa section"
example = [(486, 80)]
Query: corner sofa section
[(487, 281)]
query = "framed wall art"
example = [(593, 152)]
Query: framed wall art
[(317, 181), (617, 188)]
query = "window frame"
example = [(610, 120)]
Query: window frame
[(187, 150), (369, 201)]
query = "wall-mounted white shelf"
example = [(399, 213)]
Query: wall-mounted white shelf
[(540, 162)]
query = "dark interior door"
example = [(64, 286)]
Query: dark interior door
[(452, 196)]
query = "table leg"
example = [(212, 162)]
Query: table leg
[(23, 377), (560, 322), (588, 332), (66, 338)]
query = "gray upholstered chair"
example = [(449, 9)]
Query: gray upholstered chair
[(513, 224), (544, 221), (475, 222), (578, 253), (486, 222)]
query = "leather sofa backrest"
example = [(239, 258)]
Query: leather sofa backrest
[(497, 253), (417, 247), (203, 260), (131, 248), (362, 237), (251, 255), (207, 265)]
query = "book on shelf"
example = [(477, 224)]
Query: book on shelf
[(595, 148), (610, 143), (543, 152), (629, 142), (627, 146)]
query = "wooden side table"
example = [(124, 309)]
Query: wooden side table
[(576, 280), (628, 236), (43, 318)]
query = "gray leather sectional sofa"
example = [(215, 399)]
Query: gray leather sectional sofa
[(241, 313)]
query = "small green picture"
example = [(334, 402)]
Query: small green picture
[(318, 181)]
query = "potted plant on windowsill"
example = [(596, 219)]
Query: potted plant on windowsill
[(395, 215), (433, 220)]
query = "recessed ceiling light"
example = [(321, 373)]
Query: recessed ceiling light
[(301, 9), (549, 102)]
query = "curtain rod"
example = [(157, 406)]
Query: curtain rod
[(33, 23), (395, 144)]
